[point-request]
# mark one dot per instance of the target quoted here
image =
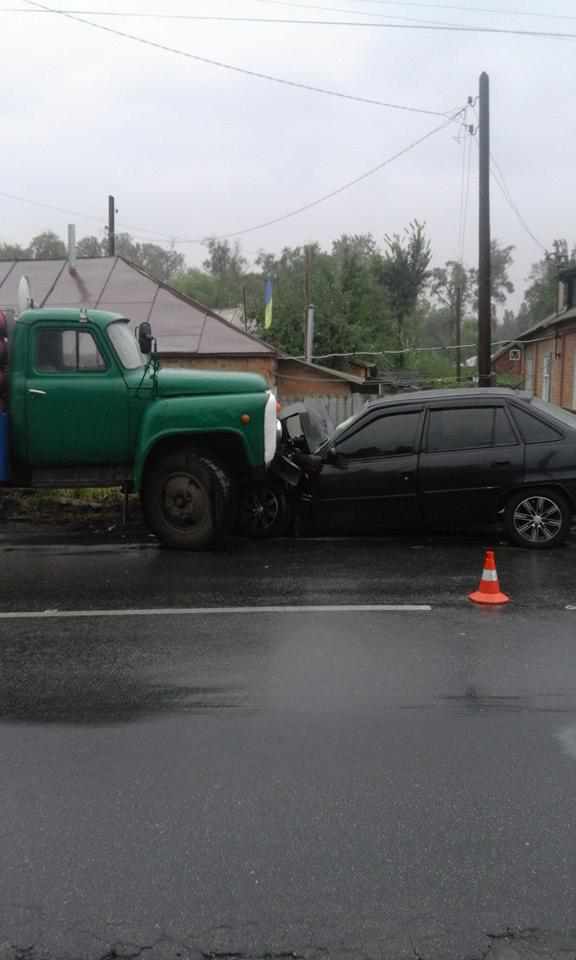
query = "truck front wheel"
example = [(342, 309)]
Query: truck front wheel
[(187, 500)]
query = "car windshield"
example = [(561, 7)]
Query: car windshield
[(558, 413), (125, 345)]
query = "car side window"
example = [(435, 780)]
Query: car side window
[(532, 429), (503, 431), (464, 428), (67, 351), (386, 436)]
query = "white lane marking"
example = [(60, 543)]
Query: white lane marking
[(210, 611)]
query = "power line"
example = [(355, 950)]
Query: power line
[(227, 66), (449, 6), (502, 185), (346, 186), (329, 9), (465, 156), (284, 21), (151, 15), (136, 232), (267, 223)]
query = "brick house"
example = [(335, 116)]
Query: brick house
[(544, 357)]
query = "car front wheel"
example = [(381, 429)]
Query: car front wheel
[(265, 512), (538, 519)]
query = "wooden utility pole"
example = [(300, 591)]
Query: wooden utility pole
[(484, 250), (111, 227)]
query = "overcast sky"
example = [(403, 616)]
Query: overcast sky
[(191, 150)]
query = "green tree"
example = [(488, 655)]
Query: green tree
[(47, 246), (13, 251), (221, 281), (501, 260), (541, 295), (403, 271), (91, 247), (164, 265)]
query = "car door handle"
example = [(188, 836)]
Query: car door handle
[(37, 393), (501, 463)]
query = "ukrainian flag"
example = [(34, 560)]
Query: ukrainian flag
[(268, 304)]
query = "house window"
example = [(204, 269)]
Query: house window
[(546, 377)]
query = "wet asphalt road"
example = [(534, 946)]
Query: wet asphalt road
[(335, 784)]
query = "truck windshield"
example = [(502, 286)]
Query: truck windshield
[(125, 345)]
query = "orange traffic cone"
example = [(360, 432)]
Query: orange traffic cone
[(489, 589)]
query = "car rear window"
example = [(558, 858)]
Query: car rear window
[(534, 430)]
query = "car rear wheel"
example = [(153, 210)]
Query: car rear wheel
[(538, 519)]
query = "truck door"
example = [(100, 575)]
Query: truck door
[(76, 397)]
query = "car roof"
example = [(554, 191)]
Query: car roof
[(458, 393)]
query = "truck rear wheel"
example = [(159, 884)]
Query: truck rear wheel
[(187, 500)]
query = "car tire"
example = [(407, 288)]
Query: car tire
[(537, 518), (187, 500), (265, 512)]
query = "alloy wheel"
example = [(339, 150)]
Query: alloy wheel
[(537, 519)]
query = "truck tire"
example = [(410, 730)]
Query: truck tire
[(187, 500)]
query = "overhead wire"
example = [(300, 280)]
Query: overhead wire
[(165, 48), (468, 177), (284, 21), (464, 142), (500, 181), (212, 18), (448, 6), (139, 233), (345, 186), (275, 220)]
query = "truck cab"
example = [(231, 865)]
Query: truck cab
[(85, 407)]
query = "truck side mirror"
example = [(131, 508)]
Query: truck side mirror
[(145, 338)]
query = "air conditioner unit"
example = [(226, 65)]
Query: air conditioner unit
[(514, 354)]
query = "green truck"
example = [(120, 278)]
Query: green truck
[(84, 402)]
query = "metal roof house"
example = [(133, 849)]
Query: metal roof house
[(188, 333), (544, 356)]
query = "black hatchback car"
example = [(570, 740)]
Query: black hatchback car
[(442, 459)]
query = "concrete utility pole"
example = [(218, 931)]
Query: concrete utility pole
[(309, 352), (308, 307), (111, 227), (245, 308), (458, 319), (484, 278)]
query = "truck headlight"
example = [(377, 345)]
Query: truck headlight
[(270, 434)]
